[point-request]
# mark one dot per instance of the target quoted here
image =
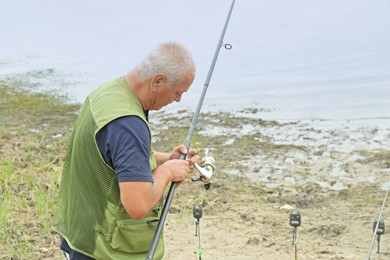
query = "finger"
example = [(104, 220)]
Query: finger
[(182, 149), (192, 153), (194, 159)]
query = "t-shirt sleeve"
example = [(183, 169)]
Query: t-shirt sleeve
[(125, 145)]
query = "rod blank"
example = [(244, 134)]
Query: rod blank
[(187, 141)]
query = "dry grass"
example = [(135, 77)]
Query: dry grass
[(242, 218), (33, 134)]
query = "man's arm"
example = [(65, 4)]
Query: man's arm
[(139, 198), (125, 144), (161, 157)]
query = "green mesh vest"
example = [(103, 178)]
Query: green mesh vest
[(90, 215)]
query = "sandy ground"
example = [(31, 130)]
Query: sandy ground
[(335, 173)]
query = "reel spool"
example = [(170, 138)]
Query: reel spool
[(206, 169)]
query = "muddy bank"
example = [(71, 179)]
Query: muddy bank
[(333, 154), (334, 173)]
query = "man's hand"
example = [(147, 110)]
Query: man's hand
[(139, 198), (192, 156)]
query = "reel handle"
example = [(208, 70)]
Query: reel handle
[(206, 169)]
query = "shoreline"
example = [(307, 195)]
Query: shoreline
[(245, 217), (332, 154)]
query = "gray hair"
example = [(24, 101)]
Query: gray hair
[(171, 59)]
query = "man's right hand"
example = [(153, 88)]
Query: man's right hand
[(177, 169)]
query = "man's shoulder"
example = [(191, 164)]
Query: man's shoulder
[(126, 124)]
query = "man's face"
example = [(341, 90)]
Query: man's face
[(165, 94)]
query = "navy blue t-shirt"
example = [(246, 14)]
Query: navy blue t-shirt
[(125, 145)]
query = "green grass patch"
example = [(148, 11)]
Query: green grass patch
[(33, 134)]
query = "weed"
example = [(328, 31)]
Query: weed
[(30, 162)]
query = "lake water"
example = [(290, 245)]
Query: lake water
[(294, 59)]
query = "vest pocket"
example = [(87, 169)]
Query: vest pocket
[(134, 235), (125, 234)]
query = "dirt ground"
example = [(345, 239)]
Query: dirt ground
[(335, 173), (247, 221)]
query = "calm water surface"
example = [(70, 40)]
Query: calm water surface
[(295, 59)]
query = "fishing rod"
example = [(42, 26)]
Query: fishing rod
[(376, 226), (187, 141)]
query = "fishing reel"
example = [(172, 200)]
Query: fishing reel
[(206, 169)]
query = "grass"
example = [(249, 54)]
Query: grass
[(33, 136), (34, 130)]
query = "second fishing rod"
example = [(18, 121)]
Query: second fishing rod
[(187, 141)]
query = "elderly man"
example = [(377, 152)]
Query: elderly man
[(113, 182)]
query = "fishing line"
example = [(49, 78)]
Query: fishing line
[(377, 226), (187, 142)]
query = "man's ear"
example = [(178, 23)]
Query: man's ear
[(157, 81)]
